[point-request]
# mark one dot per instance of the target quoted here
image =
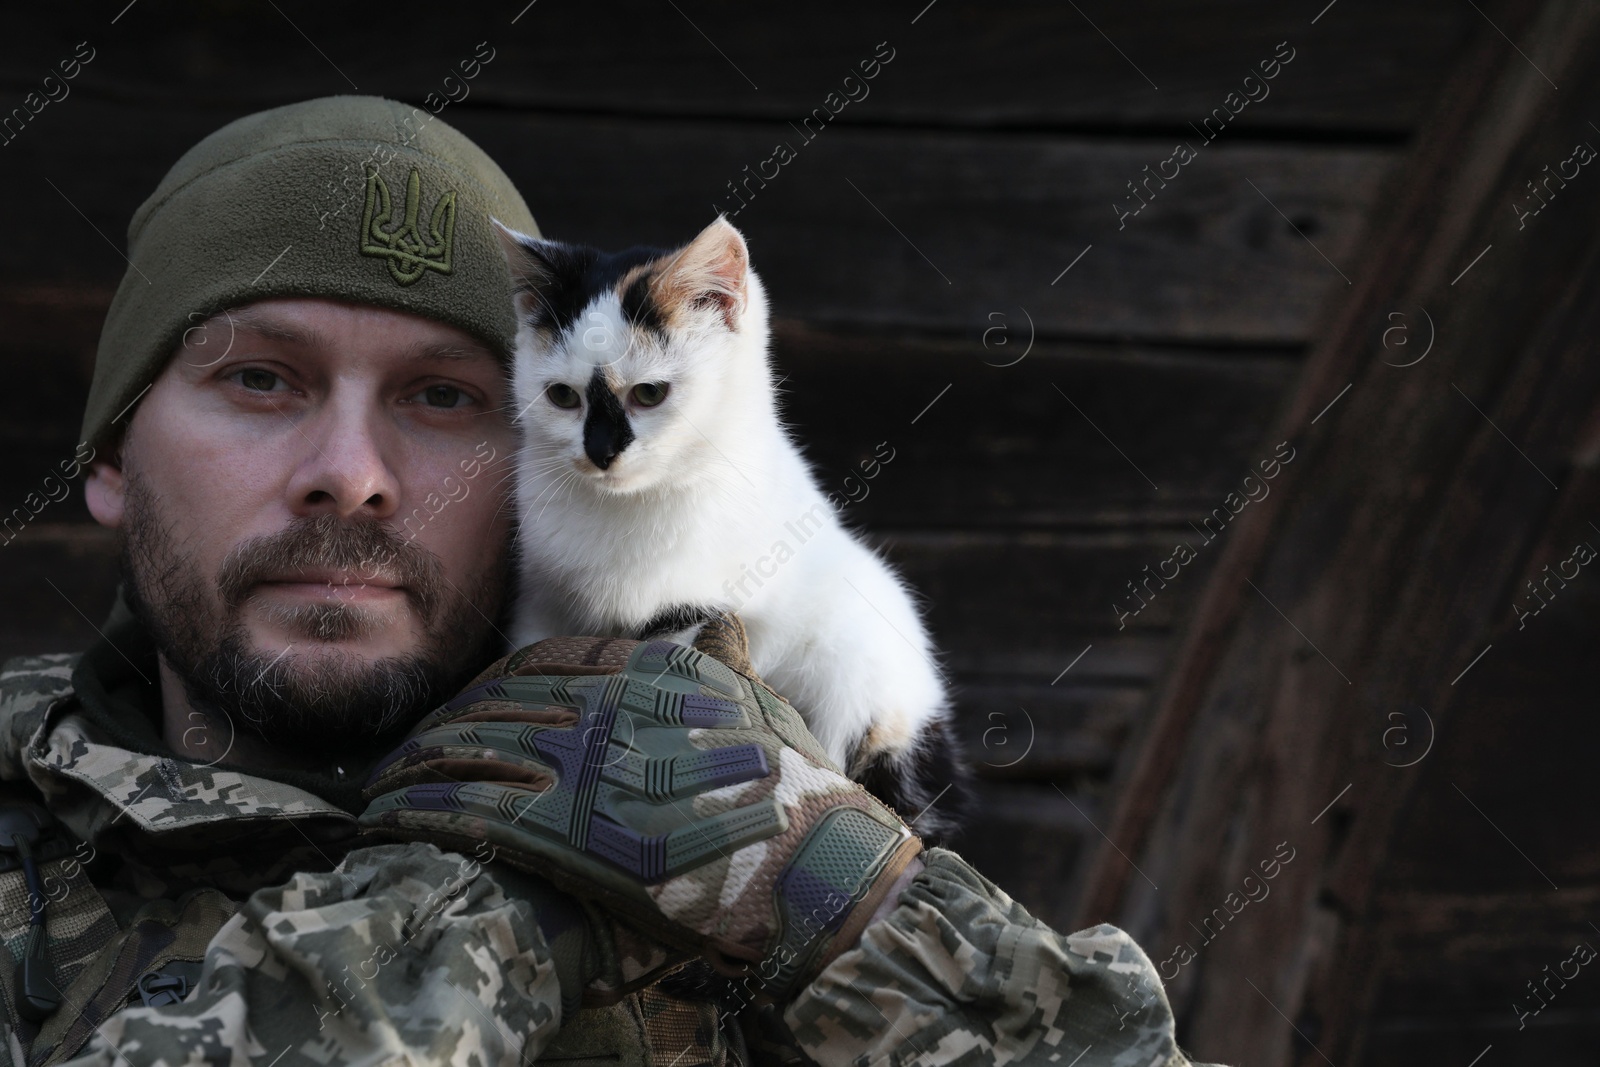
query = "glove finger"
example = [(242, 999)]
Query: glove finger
[(543, 699), (551, 823), (535, 757), (664, 681), (474, 751)]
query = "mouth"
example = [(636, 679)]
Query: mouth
[(611, 482), (333, 586), (603, 478)]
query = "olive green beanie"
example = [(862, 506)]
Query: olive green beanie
[(351, 197)]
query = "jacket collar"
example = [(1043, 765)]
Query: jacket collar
[(95, 782), (99, 757)]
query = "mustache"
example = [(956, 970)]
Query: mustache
[(370, 549)]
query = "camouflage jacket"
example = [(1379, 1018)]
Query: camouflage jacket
[(200, 914)]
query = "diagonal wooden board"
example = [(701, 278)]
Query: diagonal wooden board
[(1376, 575)]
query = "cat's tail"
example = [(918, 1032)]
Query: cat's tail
[(928, 782)]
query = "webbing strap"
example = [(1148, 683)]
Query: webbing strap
[(161, 931)]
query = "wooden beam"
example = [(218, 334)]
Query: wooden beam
[(1366, 581), (861, 229), (1034, 64)]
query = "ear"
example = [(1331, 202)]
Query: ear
[(532, 261), (712, 271), (106, 494)]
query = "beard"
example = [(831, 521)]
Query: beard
[(331, 700)]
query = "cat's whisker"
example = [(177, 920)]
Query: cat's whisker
[(549, 490), (535, 457), (534, 471), (503, 479), (544, 463), (564, 480), (552, 450)]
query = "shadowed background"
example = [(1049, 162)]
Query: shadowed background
[(1067, 397)]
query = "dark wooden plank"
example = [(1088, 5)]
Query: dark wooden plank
[(1069, 731), (1524, 768), (80, 560), (1211, 260), (48, 348), (1455, 972), (1002, 445), (941, 230), (1364, 67), (1031, 602), (1457, 954), (1560, 1042)]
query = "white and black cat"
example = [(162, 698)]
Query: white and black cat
[(657, 486)]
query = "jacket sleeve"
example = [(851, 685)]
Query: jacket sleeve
[(403, 954), (959, 972)]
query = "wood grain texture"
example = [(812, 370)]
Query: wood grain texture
[(1455, 970), (59, 578), (1399, 526), (982, 442), (1362, 67), (940, 230), (1025, 602), (864, 228), (1070, 730)]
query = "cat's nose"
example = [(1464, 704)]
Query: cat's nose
[(603, 442), (606, 431)]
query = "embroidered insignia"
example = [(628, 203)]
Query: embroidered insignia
[(409, 253)]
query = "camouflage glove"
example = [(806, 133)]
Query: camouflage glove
[(687, 799)]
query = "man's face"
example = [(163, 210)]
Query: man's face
[(311, 497)]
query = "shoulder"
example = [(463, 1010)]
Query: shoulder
[(47, 673), (29, 685)]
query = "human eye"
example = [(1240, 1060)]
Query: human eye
[(259, 380), (442, 396)]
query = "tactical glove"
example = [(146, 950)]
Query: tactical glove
[(684, 797)]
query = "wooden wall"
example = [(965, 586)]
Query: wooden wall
[(1066, 395)]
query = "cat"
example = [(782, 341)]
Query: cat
[(658, 486)]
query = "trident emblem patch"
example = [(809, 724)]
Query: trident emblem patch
[(408, 251)]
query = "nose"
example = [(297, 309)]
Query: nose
[(606, 431), (600, 442), (345, 467)]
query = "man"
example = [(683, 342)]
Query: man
[(301, 411)]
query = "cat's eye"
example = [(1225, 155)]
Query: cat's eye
[(649, 394), (563, 396)]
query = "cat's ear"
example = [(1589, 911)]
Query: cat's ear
[(712, 271), (532, 261)]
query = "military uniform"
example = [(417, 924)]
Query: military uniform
[(199, 913)]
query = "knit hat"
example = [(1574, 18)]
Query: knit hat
[(356, 198)]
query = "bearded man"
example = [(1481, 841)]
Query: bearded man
[(232, 832)]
